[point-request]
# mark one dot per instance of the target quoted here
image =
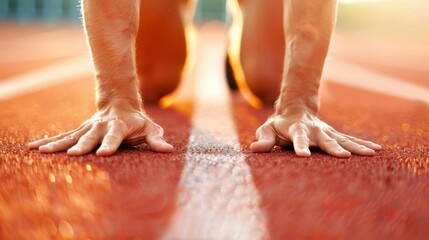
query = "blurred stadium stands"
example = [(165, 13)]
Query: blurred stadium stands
[(396, 18), (44, 10), (51, 11)]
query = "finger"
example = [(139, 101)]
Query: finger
[(89, 140), (113, 139), (351, 146), (330, 145), (266, 139), (41, 142), (155, 140), (64, 143), (301, 143), (365, 143)]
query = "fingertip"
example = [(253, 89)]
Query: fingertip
[(35, 144), (163, 147), (303, 153), (31, 145), (168, 148), (364, 151), (45, 148), (376, 146), (74, 151), (104, 153), (342, 154), (261, 146), (158, 144), (368, 152)]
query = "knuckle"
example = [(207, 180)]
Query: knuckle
[(113, 137), (120, 126), (263, 129), (315, 127), (89, 138), (98, 125), (302, 138), (276, 122), (56, 138), (159, 129), (117, 122), (329, 140), (362, 147), (299, 124), (353, 138)]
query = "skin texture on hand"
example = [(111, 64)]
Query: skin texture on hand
[(308, 27), (303, 129), (106, 131), (111, 29)]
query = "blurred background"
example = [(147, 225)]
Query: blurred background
[(48, 11), (390, 37), (377, 16)]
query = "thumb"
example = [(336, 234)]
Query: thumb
[(156, 142), (266, 139)]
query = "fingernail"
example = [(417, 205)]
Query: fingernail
[(305, 150), (377, 146), (43, 148), (46, 147), (74, 149)]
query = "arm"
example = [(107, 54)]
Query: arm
[(308, 27), (111, 28)]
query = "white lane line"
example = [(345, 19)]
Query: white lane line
[(43, 46), (413, 57), (47, 77), (217, 197), (359, 77)]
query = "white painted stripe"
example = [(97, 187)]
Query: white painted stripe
[(217, 197), (50, 76), (402, 54), (50, 45), (359, 77)]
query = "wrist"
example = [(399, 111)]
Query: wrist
[(124, 100), (290, 103), (122, 91)]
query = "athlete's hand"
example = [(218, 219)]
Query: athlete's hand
[(107, 130), (302, 129)]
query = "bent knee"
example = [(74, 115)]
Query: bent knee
[(159, 82), (264, 82)]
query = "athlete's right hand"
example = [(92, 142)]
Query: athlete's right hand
[(105, 131)]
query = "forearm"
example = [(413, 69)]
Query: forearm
[(111, 28), (308, 27)]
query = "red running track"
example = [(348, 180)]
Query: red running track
[(210, 188)]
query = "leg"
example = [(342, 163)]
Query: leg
[(262, 47), (161, 46)]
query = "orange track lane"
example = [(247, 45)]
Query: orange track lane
[(134, 194)]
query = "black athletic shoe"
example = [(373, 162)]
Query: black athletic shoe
[(230, 75)]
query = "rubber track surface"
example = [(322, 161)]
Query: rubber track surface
[(132, 195)]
